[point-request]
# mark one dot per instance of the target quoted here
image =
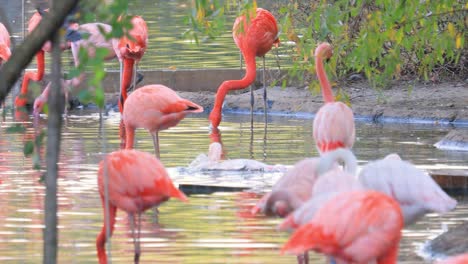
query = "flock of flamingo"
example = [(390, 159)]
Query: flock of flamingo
[(328, 206)]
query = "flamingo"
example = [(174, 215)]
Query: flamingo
[(5, 52), (333, 125), (331, 182), (154, 107), (254, 39), (459, 259), (95, 39), (129, 52), (21, 99), (136, 181), (416, 192), (352, 227)]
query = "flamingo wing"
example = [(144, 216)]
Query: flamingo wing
[(137, 180), (414, 189), (368, 226)]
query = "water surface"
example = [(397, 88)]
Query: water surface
[(212, 228)]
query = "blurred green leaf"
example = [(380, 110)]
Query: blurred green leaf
[(28, 148), (16, 128)]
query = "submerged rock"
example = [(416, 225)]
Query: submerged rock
[(454, 140)]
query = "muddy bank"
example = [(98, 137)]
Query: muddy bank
[(433, 103)]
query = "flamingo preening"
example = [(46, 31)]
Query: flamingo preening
[(334, 122), (254, 38), (132, 181)]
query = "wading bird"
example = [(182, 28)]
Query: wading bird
[(130, 51), (154, 107), (254, 38), (352, 227), (132, 181), (21, 100), (333, 125), (5, 52), (415, 191)]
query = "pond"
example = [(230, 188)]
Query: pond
[(214, 227)]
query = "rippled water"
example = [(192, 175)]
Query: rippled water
[(212, 228)]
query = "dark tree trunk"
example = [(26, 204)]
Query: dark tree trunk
[(54, 126)]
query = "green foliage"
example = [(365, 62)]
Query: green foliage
[(384, 39), (115, 15)]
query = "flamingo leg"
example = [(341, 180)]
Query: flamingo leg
[(135, 235), (156, 144), (264, 93), (155, 215)]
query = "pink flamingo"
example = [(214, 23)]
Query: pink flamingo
[(460, 259), (254, 39), (368, 229), (154, 107), (136, 181), (334, 122), (416, 192), (21, 100), (130, 52), (5, 52)]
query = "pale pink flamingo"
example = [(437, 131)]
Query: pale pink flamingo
[(334, 122), (254, 38), (154, 107), (136, 181), (416, 192), (5, 44), (352, 227), (459, 259), (331, 182), (94, 40), (291, 190)]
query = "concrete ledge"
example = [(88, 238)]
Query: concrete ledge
[(195, 80)]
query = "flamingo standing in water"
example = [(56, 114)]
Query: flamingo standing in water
[(21, 100), (130, 51), (416, 192), (334, 122), (154, 107), (254, 39), (5, 52), (352, 227), (136, 181)]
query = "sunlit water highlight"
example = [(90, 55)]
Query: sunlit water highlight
[(212, 228)]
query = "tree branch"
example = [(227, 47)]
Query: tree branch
[(23, 54)]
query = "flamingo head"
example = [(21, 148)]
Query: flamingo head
[(280, 203), (324, 50), (38, 105), (132, 49)]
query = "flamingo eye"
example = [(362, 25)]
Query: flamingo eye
[(128, 46)]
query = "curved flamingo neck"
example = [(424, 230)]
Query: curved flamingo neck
[(126, 79), (226, 86), (324, 83), (35, 76)]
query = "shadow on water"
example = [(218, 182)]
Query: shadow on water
[(215, 226)]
